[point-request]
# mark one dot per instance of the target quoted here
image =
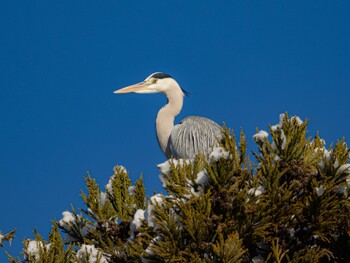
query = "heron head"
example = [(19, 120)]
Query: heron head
[(155, 83)]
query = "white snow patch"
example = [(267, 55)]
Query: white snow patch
[(320, 190), (164, 180), (194, 192), (284, 139), (258, 259), (68, 222), (208, 258), (343, 169), (292, 232), (299, 121), (135, 224), (121, 168), (343, 190), (68, 218), (164, 167), (327, 154), (148, 250), (154, 200), (108, 186), (218, 153), (336, 163), (131, 190), (277, 158), (279, 125), (321, 164), (282, 118), (33, 249), (202, 178), (260, 136), (259, 191), (103, 198), (90, 252), (256, 191)]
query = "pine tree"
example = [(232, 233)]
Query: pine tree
[(292, 205), (7, 237)]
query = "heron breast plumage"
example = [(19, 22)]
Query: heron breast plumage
[(194, 135)]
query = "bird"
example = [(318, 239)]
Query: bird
[(193, 135)]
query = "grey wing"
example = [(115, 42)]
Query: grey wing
[(192, 136)]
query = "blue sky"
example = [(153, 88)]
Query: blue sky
[(244, 63)]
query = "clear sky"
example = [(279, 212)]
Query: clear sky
[(244, 63)]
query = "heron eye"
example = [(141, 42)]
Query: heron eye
[(155, 80)]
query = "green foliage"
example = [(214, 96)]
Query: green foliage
[(112, 212), (304, 205), (99, 208), (7, 237), (53, 251), (119, 196), (75, 226), (292, 205), (140, 194), (226, 250)]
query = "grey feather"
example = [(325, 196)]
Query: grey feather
[(194, 135)]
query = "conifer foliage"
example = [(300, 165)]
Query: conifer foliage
[(292, 205), (7, 237)]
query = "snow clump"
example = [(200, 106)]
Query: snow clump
[(343, 190), (33, 249), (280, 123), (135, 224), (69, 223), (131, 190), (218, 153), (68, 218), (320, 190), (260, 136), (282, 118), (256, 191), (278, 127), (103, 198), (258, 259), (91, 253), (154, 200), (345, 168), (148, 250), (165, 168), (202, 178)]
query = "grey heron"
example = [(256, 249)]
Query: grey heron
[(193, 135)]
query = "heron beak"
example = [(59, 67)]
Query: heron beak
[(138, 88)]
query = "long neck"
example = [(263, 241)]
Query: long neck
[(166, 116)]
